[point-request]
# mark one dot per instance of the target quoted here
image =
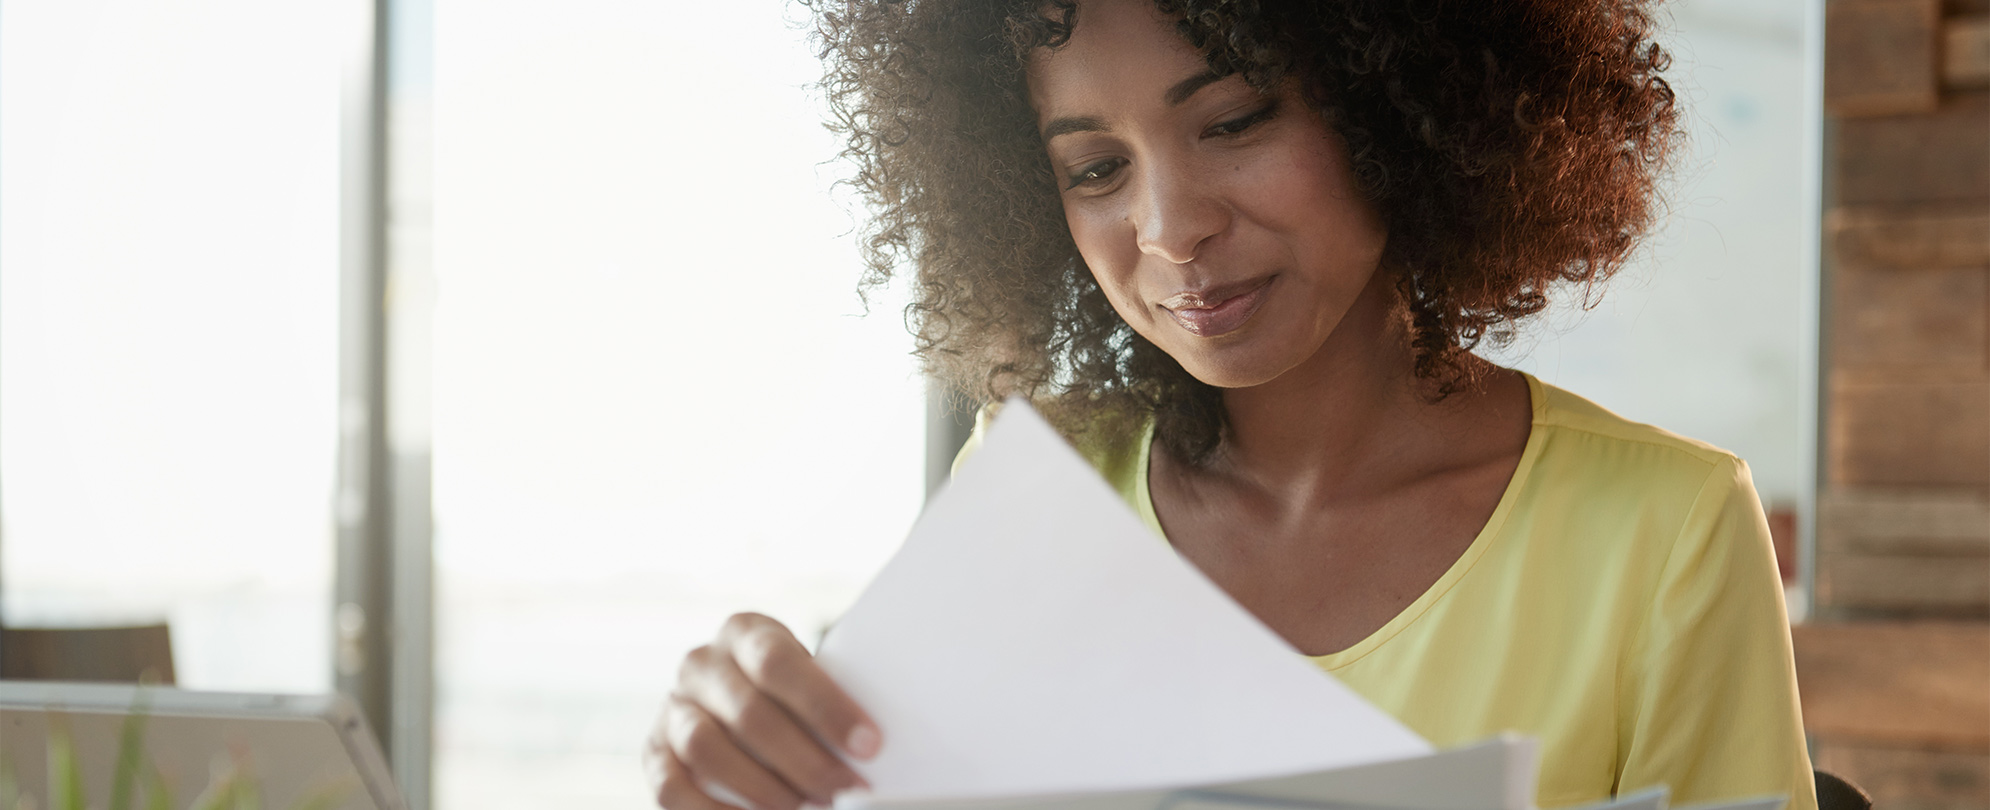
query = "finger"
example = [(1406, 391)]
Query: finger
[(765, 729), (780, 666), (704, 746), (680, 791)]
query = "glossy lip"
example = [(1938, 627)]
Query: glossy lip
[(1219, 310)]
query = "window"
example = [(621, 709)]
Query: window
[(168, 327), (655, 401)]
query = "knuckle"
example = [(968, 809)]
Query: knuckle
[(695, 661), (752, 661), (677, 711), (779, 658), (740, 624), (703, 743)]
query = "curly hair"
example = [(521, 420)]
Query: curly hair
[(1509, 146)]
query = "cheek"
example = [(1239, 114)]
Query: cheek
[(1111, 257), (1325, 227), (1330, 192)]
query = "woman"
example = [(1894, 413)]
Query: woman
[(1240, 251)]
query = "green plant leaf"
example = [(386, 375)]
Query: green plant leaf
[(248, 792), (158, 795), (130, 754), (324, 798), (10, 787), (65, 782)]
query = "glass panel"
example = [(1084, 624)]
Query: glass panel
[(168, 315), (655, 403)]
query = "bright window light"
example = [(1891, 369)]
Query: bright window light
[(168, 317), (656, 399)]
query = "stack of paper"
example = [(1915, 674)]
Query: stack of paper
[(1033, 644)]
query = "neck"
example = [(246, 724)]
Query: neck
[(1340, 422)]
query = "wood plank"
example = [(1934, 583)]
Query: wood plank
[(1880, 57), (1939, 157), (1933, 431), (1921, 684), (1911, 317), (1966, 52), (119, 654), (1904, 522), (1932, 585), (1942, 236), (1910, 778)]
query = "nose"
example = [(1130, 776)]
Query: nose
[(1174, 214)]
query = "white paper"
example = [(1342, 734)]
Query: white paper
[(1495, 774), (1757, 803), (1499, 773), (1649, 799), (1033, 637)]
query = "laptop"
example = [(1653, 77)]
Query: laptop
[(307, 752)]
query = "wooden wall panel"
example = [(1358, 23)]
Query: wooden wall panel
[(1911, 317), (1940, 157), (1892, 683), (1932, 585), (1926, 430), (1920, 237), (1966, 52), (1902, 708), (1913, 522), (1881, 56)]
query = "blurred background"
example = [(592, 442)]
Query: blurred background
[(477, 358)]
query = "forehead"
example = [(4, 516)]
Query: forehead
[(1120, 51)]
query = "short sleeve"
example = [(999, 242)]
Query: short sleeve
[(1710, 695)]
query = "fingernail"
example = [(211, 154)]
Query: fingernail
[(863, 742)]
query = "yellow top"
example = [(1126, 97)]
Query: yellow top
[(1622, 606)]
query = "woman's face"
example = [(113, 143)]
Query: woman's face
[(1223, 224)]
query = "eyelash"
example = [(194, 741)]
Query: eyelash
[(1236, 126), (1233, 127)]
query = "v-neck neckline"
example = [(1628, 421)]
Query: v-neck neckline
[(1143, 501)]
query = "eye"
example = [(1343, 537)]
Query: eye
[(1096, 172), (1237, 125)]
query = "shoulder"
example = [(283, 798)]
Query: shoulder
[(1562, 410), (1584, 443), (1632, 497)]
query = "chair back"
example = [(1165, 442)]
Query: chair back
[(1834, 793)]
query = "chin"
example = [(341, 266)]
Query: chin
[(1233, 372)]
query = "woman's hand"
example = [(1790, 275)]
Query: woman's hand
[(753, 713)]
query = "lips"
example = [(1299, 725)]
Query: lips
[(1219, 310)]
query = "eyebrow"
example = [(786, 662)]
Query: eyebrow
[(1175, 96), (1187, 87)]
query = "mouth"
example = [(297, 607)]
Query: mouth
[(1219, 310)]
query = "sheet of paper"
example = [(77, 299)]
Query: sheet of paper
[(1757, 803), (1650, 799), (1033, 637), (1499, 772), (1495, 774)]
